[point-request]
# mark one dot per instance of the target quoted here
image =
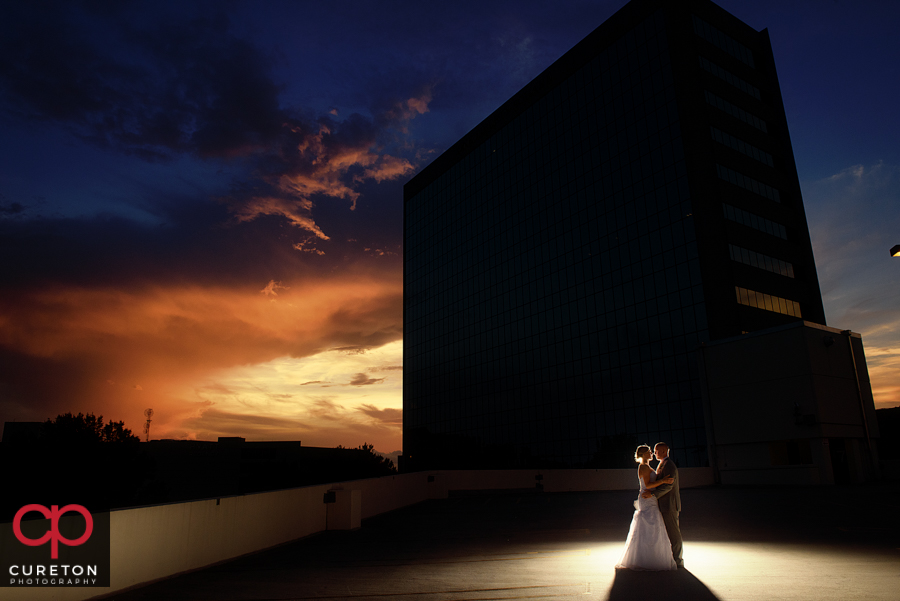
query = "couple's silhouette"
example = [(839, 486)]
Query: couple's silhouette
[(654, 539)]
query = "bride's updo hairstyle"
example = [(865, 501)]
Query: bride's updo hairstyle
[(640, 451)]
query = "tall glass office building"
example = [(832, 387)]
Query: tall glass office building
[(566, 258)]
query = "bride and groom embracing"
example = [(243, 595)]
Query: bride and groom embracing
[(654, 539)]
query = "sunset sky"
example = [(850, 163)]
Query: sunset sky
[(201, 202)]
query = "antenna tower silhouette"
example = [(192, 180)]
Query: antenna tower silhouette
[(148, 413)]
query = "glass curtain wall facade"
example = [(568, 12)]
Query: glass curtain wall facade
[(556, 283)]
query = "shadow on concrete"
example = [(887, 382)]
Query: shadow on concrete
[(660, 586)]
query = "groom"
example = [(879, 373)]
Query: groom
[(669, 499)]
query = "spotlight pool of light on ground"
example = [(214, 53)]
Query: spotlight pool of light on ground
[(758, 570)]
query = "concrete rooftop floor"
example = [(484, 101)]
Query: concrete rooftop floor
[(836, 543)]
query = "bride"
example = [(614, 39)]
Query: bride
[(647, 546)]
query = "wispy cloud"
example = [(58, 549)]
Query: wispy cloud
[(323, 408), (364, 380), (272, 287), (388, 416), (329, 158)]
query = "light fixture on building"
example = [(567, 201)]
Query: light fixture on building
[(895, 251)]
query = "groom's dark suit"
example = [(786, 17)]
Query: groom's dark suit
[(669, 498)]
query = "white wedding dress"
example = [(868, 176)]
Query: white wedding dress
[(647, 546)]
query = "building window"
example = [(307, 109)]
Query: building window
[(755, 259), (748, 183), (755, 221), (729, 77), (736, 144), (736, 112), (767, 302), (723, 41)]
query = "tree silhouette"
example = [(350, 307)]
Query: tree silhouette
[(81, 428), (382, 464), (93, 474), (371, 462)]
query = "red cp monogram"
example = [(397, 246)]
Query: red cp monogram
[(53, 535)]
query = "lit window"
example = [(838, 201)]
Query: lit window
[(767, 302)]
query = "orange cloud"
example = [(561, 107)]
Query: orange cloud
[(331, 159), (403, 112), (328, 166), (116, 352), (297, 211), (386, 169), (308, 246), (389, 416), (272, 287), (364, 380), (420, 105)]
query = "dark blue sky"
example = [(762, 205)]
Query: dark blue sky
[(202, 154)]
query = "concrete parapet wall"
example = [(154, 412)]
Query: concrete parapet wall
[(791, 475), (551, 480), (156, 542), (380, 495), (148, 543)]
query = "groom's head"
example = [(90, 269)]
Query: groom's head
[(661, 450)]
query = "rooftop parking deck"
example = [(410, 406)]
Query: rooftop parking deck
[(774, 543)]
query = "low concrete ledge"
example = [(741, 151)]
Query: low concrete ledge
[(776, 475)]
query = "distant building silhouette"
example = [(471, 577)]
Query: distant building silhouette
[(566, 259), (114, 475), (22, 432)]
